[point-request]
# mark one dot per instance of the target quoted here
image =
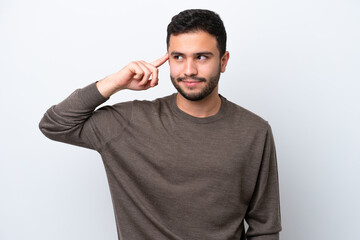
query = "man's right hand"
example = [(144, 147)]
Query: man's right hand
[(135, 76)]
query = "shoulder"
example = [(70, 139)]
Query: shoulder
[(138, 105), (156, 102), (245, 118), (156, 106)]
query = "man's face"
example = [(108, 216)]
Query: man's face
[(195, 64)]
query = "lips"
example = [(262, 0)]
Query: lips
[(191, 79), (191, 83)]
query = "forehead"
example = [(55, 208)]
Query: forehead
[(192, 42)]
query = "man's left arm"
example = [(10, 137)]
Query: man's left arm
[(263, 215)]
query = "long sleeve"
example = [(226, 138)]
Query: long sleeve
[(75, 121), (263, 215)]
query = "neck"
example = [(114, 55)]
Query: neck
[(205, 107)]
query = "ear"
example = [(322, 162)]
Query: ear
[(224, 60)]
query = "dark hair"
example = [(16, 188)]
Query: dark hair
[(193, 20)]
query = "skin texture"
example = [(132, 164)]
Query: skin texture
[(195, 67), (134, 76)]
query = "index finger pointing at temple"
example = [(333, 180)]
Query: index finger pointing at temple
[(157, 63)]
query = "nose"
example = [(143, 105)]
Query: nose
[(190, 68)]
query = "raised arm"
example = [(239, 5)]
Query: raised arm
[(75, 121)]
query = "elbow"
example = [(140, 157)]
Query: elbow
[(47, 128), (44, 128)]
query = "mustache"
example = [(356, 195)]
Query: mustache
[(199, 79)]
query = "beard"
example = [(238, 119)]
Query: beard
[(211, 84)]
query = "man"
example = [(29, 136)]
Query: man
[(191, 165)]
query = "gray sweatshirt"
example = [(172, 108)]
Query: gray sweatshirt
[(174, 176)]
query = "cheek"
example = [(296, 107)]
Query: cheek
[(208, 70), (175, 69)]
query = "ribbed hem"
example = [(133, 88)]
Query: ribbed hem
[(265, 237)]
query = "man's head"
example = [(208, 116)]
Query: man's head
[(195, 20), (196, 44)]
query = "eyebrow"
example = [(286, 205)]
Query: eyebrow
[(204, 53), (196, 54)]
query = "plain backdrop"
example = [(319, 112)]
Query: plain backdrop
[(294, 63)]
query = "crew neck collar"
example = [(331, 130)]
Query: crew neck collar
[(189, 117)]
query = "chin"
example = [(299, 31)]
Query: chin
[(192, 97), (195, 96)]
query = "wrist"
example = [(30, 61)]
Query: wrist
[(107, 86)]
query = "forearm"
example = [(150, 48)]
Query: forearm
[(65, 121), (108, 86)]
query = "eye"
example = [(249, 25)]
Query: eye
[(178, 57), (202, 57)]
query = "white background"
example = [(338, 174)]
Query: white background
[(295, 63)]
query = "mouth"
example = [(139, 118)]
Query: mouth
[(191, 81)]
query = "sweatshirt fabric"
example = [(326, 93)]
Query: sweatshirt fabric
[(173, 176)]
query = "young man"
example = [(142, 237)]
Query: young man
[(191, 165)]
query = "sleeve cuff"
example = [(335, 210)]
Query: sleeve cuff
[(90, 95), (265, 237)]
